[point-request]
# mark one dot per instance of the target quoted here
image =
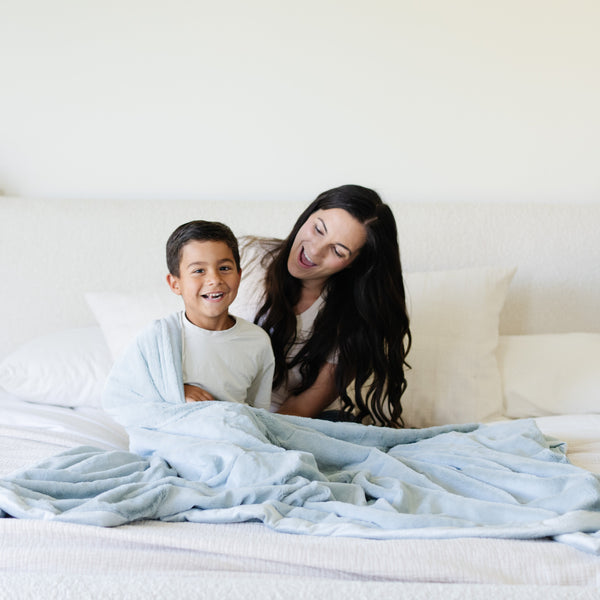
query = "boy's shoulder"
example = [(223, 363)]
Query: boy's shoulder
[(170, 325), (245, 327)]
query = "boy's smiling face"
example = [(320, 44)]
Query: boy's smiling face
[(208, 283)]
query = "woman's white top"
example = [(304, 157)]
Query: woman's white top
[(304, 328)]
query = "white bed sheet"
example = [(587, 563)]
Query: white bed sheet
[(80, 426), (582, 435), (191, 548), (234, 586)]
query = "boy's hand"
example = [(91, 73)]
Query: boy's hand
[(193, 393)]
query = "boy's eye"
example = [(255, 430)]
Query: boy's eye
[(225, 268)]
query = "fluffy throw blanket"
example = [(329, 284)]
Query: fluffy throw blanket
[(221, 462)]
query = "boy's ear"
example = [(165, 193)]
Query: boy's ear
[(174, 284)]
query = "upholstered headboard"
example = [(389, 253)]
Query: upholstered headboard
[(52, 252)]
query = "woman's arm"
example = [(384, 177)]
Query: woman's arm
[(313, 401)]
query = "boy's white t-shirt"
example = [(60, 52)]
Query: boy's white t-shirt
[(235, 365)]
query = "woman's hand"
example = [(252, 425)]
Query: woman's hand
[(193, 393), (313, 401)]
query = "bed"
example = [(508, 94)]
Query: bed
[(503, 300)]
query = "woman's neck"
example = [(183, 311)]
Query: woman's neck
[(308, 296)]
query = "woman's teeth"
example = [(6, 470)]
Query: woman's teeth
[(305, 260)]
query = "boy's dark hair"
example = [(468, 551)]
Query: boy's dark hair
[(200, 231)]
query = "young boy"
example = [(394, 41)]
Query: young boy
[(201, 353), (221, 354)]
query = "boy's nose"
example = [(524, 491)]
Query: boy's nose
[(215, 277)]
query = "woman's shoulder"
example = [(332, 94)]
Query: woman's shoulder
[(255, 256), (255, 250)]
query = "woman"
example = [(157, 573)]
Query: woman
[(335, 309)]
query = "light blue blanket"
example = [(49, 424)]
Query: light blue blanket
[(221, 462)]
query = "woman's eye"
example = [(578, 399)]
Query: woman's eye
[(319, 231), (338, 253)]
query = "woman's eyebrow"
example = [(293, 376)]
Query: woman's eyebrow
[(337, 243)]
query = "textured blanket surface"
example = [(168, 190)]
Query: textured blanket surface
[(219, 462)]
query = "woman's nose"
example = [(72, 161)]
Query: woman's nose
[(318, 247)]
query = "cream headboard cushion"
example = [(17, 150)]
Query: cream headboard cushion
[(52, 252)]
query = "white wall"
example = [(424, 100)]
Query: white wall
[(280, 99)]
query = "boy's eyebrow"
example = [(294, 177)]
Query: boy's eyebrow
[(337, 243), (205, 262)]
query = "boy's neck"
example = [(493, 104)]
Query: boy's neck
[(220, 323)]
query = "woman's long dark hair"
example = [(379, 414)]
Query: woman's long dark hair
[(364, 319)]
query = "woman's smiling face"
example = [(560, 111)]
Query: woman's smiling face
[(328, 242)]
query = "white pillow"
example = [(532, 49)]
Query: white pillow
[(67, 368), (122, 315), (454, 320), (454, 323), (551, 374)]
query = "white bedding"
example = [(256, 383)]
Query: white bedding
[(191, 548), (233, 585), (85, 425)]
